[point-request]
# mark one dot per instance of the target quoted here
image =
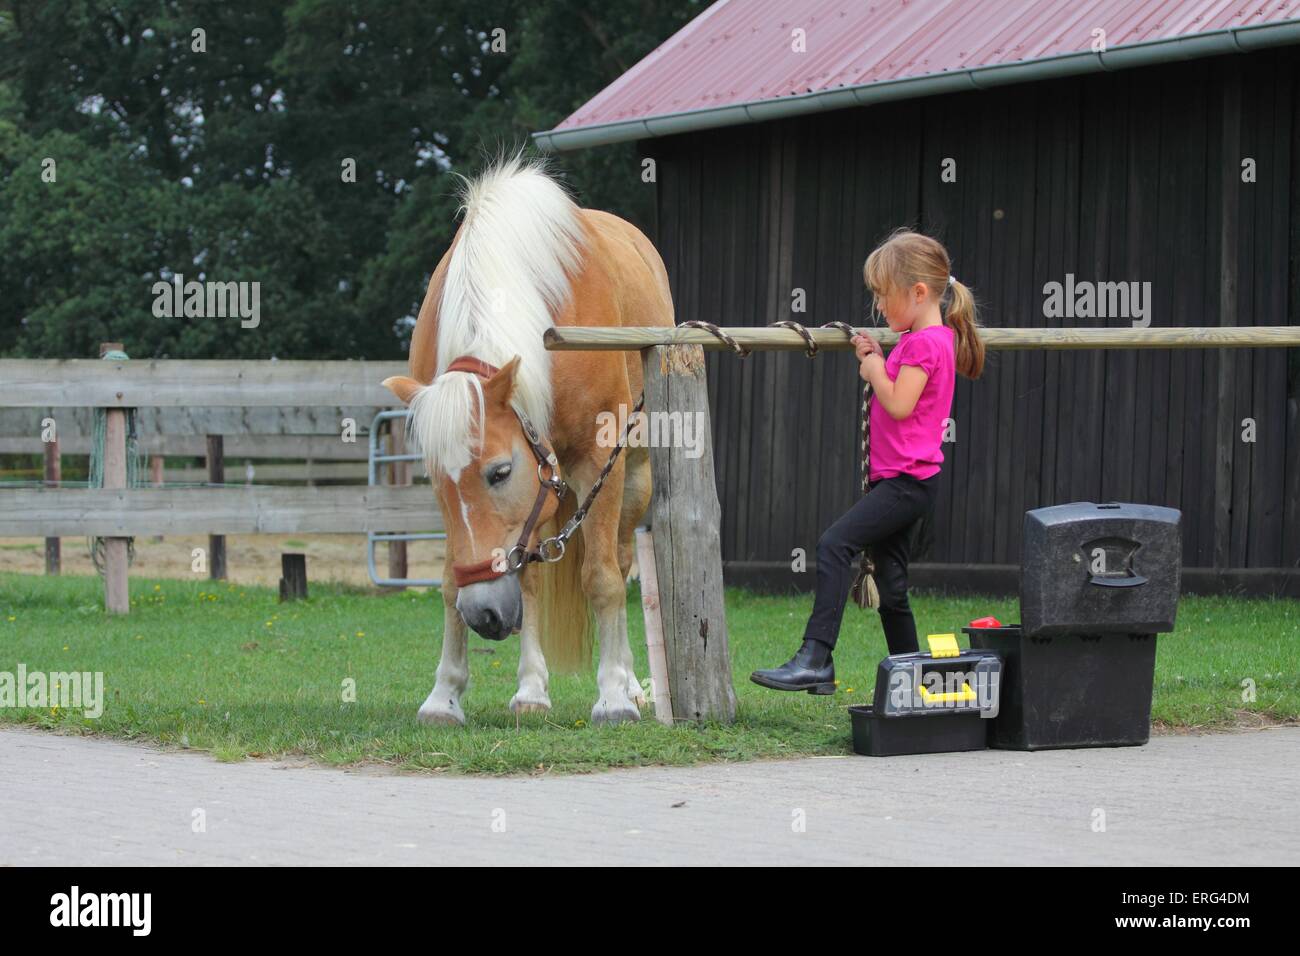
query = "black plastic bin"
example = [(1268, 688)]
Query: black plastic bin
[(1097, 583), (1070, 690)]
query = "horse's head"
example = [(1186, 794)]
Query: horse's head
[(490, 482)]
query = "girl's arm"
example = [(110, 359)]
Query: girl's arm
[(897, 396)]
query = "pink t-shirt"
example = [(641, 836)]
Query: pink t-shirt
[(913, 444)]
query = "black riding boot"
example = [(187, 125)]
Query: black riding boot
[(810, 669)]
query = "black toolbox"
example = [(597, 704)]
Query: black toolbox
[(930, 702)]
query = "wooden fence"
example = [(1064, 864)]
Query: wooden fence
[(210, 408)]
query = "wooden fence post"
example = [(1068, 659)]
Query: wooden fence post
[(53, 475), (399, 473), (686, 520), (117, 595), (656, 654), (216, 476), (293, 577)]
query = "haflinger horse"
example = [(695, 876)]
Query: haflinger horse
[(504, 425)]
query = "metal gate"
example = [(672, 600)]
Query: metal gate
[(374, 537)]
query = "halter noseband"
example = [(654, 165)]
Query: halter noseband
[(519, 556)]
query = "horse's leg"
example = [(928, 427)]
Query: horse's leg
[(531, 696), (606, 590), (636, 498), (442, 706)]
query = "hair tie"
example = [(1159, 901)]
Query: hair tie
[(951, 280)]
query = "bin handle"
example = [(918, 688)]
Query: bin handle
[(948, 697), (1132, 581)]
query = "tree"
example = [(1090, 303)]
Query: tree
[(213, 140)]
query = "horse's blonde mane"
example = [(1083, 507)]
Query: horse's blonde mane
[(509, 273)]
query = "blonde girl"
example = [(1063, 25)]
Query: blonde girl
[(911, 280)]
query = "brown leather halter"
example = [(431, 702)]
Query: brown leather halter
[(518, 557)]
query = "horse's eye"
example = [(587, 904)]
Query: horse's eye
[(498, 475)]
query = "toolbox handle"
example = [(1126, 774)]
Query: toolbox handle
[(948, 697), (1132, 581)]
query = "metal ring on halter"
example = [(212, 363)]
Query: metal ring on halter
[(548, 542), (554, 482), (523, 557)]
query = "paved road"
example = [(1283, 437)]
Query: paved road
[(1212, 799)]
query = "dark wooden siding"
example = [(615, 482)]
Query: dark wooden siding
[(1129, 176)]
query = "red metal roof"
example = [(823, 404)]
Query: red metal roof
[(740, 51)]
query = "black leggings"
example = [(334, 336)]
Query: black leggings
[(883, 518)]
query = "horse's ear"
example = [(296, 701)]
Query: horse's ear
[(501, 386), (404, 388)]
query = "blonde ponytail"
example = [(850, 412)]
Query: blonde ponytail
[(961, 319)]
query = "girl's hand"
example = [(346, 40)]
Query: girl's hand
[(862, 368), (866, 345)]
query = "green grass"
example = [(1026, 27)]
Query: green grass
[(228, 670)]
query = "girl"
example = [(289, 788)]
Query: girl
[(910, 280)]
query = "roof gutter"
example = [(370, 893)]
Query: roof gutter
[(1231, 40)]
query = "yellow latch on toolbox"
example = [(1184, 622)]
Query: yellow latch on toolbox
[(943, 645)]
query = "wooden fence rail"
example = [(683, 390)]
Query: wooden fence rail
[(318, 447), (176, 422), (127, 512), (765, 338), (163, 383)]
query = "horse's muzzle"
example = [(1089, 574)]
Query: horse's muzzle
[(493, 609)]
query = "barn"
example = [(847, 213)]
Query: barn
[(1049, 144)]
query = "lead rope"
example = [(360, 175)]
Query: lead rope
[(863, 592)]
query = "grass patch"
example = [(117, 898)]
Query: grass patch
[(228, 670)]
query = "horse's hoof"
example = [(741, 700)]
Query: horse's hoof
[(616, 713), (446, 713), (521, 704)]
